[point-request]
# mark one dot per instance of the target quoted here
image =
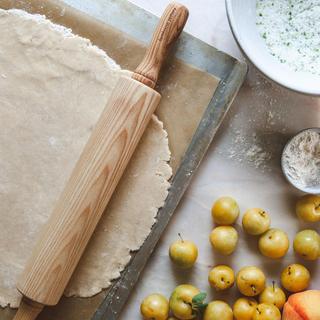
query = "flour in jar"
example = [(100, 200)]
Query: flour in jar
[(301, 159), (291, 30)]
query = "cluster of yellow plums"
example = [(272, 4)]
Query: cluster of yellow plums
[(187, 302), (273, 243)]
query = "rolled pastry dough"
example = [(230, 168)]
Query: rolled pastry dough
[(53, 86)]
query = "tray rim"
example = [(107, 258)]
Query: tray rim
[(231, 73)]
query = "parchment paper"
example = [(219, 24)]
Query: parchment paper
[(187, 102)]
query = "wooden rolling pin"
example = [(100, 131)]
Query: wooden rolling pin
[(96, 174)]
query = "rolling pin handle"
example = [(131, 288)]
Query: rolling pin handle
[(28, 310), (168, 30)]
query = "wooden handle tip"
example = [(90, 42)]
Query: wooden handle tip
[(168, 30)]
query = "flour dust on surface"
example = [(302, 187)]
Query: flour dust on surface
[(259, 124)]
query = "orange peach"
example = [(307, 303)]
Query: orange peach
[(302, 306)]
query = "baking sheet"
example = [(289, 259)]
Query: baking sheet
[(193, 51), (177, 84)]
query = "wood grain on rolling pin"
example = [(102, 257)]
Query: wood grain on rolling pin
[(88, 191)]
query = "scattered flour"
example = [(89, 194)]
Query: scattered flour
[(301, 159), (249, 149), (291, 30), (257, 155), (259, 142)]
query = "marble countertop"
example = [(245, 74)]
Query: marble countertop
[(243, 162)]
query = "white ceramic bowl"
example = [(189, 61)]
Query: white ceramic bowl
[(242, 19)]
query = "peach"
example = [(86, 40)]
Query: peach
[(302, 306)]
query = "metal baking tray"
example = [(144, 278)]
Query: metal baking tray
[(139, 24)]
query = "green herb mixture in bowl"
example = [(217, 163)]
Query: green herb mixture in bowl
[(281, 38)]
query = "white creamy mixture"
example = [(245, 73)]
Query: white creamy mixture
[(301, 159), (291, 30)]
